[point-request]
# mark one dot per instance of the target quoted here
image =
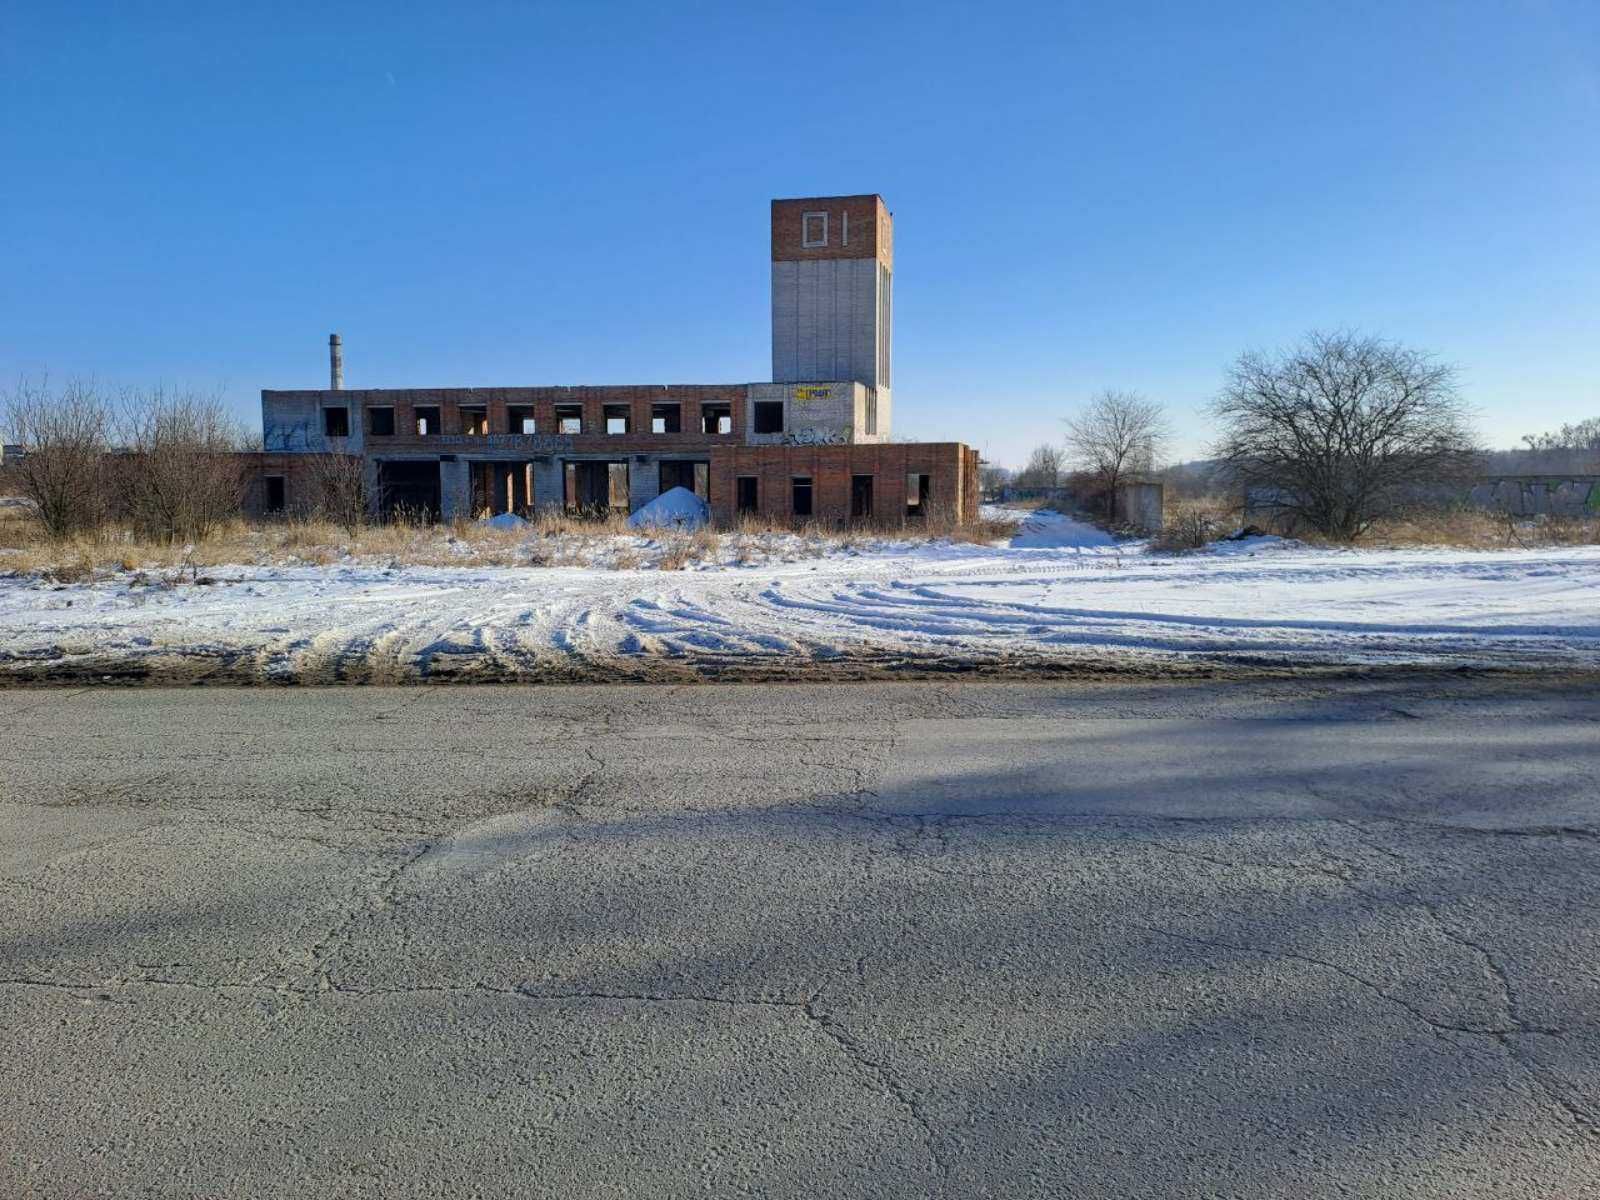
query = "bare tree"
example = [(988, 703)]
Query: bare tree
[(992, 477), (1119, 434), (1584, 437), (339, 489), (64, 439), (1043, 469), (183, 474), (1341, 429)]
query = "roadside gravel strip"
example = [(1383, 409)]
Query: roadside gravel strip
[(1249, 608)]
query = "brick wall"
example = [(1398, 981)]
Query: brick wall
[(952, 469), (299, 487), (301, 410), (871, 229)]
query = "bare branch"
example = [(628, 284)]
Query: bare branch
[(64, 438), (1119, 435), (1340, 430), (1043, 469), (182, 474)]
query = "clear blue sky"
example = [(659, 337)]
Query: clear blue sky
[(1085, 195)]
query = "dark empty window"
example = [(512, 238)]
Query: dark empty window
[(769, 416), (569, 418), (616, 418), (716, 418), (666, 418), (380, 422), (427, 421), (800, 496), (860, 497), (916, 494), (520, 420), (336, 422), (696, 476), (475, 421), (746, 495), (276, 495)]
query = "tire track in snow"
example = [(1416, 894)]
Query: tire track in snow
[(956, 606)]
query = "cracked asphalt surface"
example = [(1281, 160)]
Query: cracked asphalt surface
[(1277, 939)]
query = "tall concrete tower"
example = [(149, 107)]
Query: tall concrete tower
[(833, 292)]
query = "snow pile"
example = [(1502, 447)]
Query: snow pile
[(507, 521), (677, 508)]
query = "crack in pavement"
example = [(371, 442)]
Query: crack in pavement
[(884, 1077), (1509, 998), (882, 1080), (1344, 872), (1502, 1035), (377, 898)]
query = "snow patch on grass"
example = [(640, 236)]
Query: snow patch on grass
[(786, 602)]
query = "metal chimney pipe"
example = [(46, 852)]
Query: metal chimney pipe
[(336, 361)]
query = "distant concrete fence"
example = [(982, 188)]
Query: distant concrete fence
[(1520, 495), (1538, 495)]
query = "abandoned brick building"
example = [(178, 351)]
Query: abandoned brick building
[(814, 443)]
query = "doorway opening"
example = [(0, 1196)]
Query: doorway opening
[(696, 476), (595, 488)]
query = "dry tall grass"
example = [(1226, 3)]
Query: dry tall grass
[(549, 539), (1476, 529), (1192, 524)]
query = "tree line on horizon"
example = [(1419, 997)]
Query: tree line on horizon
[(1335, 433)]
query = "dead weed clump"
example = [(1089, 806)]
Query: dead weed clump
[(1480, 529), (1192, 525), (676, 554)]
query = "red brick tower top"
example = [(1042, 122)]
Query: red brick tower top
[(821, 227)]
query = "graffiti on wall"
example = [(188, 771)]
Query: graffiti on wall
[(813, 436), (288, 437), (538, 443), (1538, 495)]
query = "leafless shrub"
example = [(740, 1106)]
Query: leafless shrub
[(340, 490), (676, 554), (705, 544), (182, 476), (1043, 469), (1190, 525), (77, 569), (1338, 431), (1581, 438), (1118, 435), (992, 477), (64, 438)]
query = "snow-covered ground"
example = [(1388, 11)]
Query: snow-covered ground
[(1062, 595)]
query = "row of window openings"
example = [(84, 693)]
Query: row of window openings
[(801, 491), (664, 418), (746, 490)]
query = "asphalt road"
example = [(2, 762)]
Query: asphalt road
[(1288, 940)]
